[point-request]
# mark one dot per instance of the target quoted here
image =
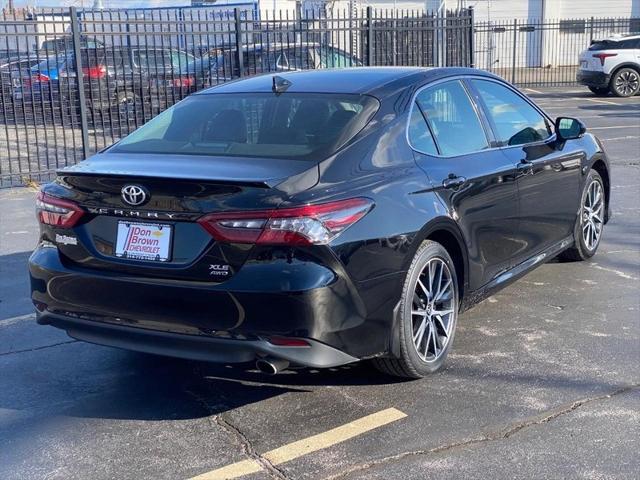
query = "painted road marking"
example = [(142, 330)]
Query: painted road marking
[(10, 321), (615, 126), (532, 90), (620, 138), (307, 445), (601, 101)]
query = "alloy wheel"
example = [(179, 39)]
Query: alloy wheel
[(592, 215), (627, 83), (433, 310)]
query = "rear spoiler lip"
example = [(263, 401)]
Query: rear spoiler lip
[(269, 183), (248, 171)]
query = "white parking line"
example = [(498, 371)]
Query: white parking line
[(620, 138), (307, 445), (10, 321), (614, 126)]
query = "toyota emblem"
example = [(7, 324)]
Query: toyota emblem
[(134, 195)]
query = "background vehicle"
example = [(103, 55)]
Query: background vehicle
[(317, 218), (114, 79), (221, 65), (612, 65)]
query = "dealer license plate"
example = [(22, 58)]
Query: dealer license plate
[(143, 241)]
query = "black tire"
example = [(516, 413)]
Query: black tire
[(625, 82), (600, 91), (410, 364), (580, 251)]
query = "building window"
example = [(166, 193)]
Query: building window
[(634, 25), (573, 26)]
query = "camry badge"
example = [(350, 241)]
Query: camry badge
[(134, 195)]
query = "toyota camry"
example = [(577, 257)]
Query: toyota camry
[(316, 218)]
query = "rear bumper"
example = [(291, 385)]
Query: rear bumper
[(593, 78), (226, 322), (194, 347)]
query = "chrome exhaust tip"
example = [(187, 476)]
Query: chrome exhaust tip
[(271, 365)]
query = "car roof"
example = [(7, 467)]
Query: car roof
[(358, 80)]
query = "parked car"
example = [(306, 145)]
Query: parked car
[(316, 218), (60, 45), (612, 65), (12, 73), (221, 65), (113, 78)]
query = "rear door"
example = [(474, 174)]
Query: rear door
[(548, 170), (475, 182)]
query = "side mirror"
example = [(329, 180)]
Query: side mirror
[(568, 128)]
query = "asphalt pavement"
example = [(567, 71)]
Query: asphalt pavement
[(543, 380)]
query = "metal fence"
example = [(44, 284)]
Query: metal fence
[(75, 81), (541, 53)]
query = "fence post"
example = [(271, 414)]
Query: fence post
[(369, 37), (239, 55), (515, 48), (77, 61), (591, 31), (472, 53)]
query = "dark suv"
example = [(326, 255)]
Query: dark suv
[(316, 218)]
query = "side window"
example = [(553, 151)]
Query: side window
[(452, 118), (419, 133), (516, 121)]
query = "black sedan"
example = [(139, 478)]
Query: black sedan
[(316, 218)]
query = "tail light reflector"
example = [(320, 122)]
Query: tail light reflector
[(56, 211), (603, 57), (288, 342), (305, 225), (95, 72)]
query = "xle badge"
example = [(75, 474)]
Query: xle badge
[(219, 270)]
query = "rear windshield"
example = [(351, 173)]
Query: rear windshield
[(300, 126)]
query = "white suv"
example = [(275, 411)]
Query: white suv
[(612, 65)]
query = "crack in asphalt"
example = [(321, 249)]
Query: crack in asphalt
[(14, 352), (499, 435), (218, 419)]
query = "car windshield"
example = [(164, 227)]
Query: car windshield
[(300, 126)]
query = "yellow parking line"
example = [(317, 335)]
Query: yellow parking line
[(307, 445)]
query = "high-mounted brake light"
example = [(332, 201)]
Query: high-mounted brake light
[(603, 57), (305, 225), (56, 211)]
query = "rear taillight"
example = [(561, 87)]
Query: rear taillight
[(183, 82), (56, 211), (39, 78), (603, 57), (306, 225), (95, 72)]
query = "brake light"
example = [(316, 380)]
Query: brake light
[(39, 78), (305, 225), (95, 72), (183, 82), (56, 211), (603, 57)]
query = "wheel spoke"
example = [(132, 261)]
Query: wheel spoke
[(443, 290), (441, 322), (424, 289)]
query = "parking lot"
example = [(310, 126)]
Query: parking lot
[(543, 380)]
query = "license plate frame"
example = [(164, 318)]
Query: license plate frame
[(152, 242)]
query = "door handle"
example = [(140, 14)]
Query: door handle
[(525, 167), (453, 182)]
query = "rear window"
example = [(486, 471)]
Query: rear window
[(300, 126), (623, 44)]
